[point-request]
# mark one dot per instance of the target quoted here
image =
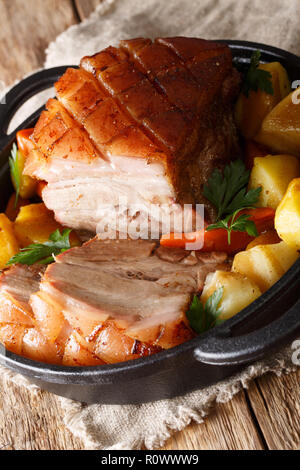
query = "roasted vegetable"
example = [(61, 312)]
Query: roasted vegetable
[(273, 174), (25, 186), (287, 219), (217, 239), (252, 109), (8, 242), (265, 264), (238, 292), (253, 150), (270, 237), (35, 223), (25, 144), (280, 130)]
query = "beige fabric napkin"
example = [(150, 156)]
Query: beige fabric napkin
[(274, 22)]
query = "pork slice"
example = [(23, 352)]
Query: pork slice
[(104, 189), (97, 251), (129, 284), (32, 323), (18, 329), (20, 281)]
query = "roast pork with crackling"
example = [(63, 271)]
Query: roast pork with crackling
[(32, 325), (146, 122), (125, 297), (105, 302)]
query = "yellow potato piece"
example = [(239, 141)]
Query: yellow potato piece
[(280, 130), (35, 223), (238, 293), (250, 111), (282, 75), (273, 173), (287, 218), (265, 264), (28, 185), (8, 243), (267, 238)]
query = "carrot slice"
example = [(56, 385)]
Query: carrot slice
[(25, 144), (217, 240)]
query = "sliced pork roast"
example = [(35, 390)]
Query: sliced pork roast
[(18, 331), (104, 302), (45, 334), (146, 122), (27, 334)]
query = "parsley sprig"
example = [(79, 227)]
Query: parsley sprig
[(232, 223), (204, 317), (257, 79), (15, 170), (43, 253), (228, 192)]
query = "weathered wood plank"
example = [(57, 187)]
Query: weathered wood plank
[(86, 7), (275, 402), (27, 27), (32, 421), (229, 427)]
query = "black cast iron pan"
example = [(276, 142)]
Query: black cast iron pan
[(271, 322)]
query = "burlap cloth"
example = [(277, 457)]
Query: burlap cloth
[(274, 22)]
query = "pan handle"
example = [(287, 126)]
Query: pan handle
[(19, 94), (221, 349)]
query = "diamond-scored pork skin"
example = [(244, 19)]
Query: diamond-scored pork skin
[(148, 121)]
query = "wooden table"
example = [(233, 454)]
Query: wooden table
[(266, 416)]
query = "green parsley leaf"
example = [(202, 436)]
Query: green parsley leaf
[(232, 223), (203, 318), (43, 253), (15, 171), (257, 79), (244, 199), (227, 191)]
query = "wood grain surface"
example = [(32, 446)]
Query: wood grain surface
[(266, 416)]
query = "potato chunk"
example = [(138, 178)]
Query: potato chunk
[(251, 111), (27, 185), (270, 237), (265, 264), (273, 173), (287, 218), (8, 243), (35, 223), (280, 130), (239, 292)]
